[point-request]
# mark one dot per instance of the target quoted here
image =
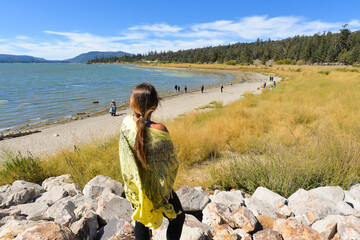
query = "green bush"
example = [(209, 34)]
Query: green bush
[(231, 62), (245, 64), (280, 62), (324, 72)]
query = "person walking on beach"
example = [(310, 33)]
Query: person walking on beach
[(149, 167), (221, 88), (202, 88), (112, 108), (185, 88), (176, 87)]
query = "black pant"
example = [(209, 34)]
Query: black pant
[(174, 229)]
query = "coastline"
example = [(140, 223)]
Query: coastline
[(100, 126)]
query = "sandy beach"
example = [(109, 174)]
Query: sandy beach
[(52, 139)]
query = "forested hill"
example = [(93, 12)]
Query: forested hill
[(343, 47)]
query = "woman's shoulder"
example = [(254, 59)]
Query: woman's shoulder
[(158, 126)]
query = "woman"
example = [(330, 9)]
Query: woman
[(149, 166)]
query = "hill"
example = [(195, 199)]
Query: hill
[(7, 58), (82, 58)]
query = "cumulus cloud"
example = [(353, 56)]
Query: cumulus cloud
[(53, 44)]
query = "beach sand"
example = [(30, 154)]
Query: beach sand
[(54, 138)]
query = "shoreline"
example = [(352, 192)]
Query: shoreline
[(55, 137)]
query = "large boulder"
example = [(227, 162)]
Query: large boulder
[(98, 184), (62, 212), (234, 199), (269, 197), (348, 227), (293, 229), (45, 231), (328, 193), (245, 219), (259, 207), (86, 227), (193, 229), (216, 214), (53, 195), (111, 205), (117, 228), (327, 226), (59, 181), (353, 199), (14, 227), (192, 199), (20, 192), (32, 211), (225, 232)]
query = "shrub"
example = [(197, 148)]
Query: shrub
[(231, 62), (300, 62), (245, 64), (324, 72), (280, 62)]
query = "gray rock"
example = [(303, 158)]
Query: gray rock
[(327, 226), (267, 196), (352, 199), (86, 227), (117, 228), (348, 227), (192, 199), (345, 209), (4, 188), (59, 181), (355, 189), (96, 186), (193, 229), (7, 215), (244, 219), (20, 192), (53, 195), (73, 189), (215, 214), (258, 207), (267, 234), (329, 193), (111, 205), (33, 211), (62, 212), (233, 199), (14, 227)]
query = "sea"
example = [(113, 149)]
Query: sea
[(37, 94)]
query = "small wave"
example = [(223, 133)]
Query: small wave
[(24, 104), (33, 119), (3, 101)]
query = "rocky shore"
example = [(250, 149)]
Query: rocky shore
[(60, 209)]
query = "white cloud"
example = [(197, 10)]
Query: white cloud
[(163, 37)]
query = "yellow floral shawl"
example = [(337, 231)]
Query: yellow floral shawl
[(149, 190)]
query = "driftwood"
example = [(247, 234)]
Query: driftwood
[(17, 134)]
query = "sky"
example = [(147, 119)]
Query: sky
[(58, 30)]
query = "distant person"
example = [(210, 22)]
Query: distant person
[(112, 108), (176, 88), (264, 84), (149, 167), (185, 88), (274, 83), (221, 88), (202, 88)]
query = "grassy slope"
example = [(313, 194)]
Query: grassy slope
[(304, 133)]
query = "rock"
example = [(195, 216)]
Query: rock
[(345, 209), (14, 227), (242, 235), (32, 211), (266, 221), (216, 214), (81, 201), (117, 228), (110, 205), (73, 189), (56, 135), (355, 189), (348, 227), (310, 206), (327, 226), (62, 181), (86, 227), (20, 192), (267, 196), (352, 199), (259, 207), (53, 195), (7, 215), (294, 229), (62, 212), (329, 193), (4, 188), (284, 210), (244, 219), (233, 199), (192, 199), (267, 234), (45, 231), (224, 232), (192, 229), (96, 186)]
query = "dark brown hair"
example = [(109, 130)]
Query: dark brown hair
[(144, 100)]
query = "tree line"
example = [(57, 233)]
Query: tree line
[(343, 47)]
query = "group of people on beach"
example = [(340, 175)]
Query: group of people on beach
[(177, 88), (271, 80)]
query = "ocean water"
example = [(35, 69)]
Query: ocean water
[(34, 94)]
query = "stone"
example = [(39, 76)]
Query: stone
[(284, 210), (327, 226), (242, 235), (73, 189), (117, 228), (259, 207), (86, 227), (352, 199), (96, 186), (192, 200), (14, 227), (192, 229), (110, 205), (266, 221), (328, 193), (62, 212), (53, 195), (294, 229), (20, 192), (216, 214), (32, 211), (345, 209), (267, 196), (58, 181), (355, 189), (224, 232), (348, 227), (233, 199), (45, 231), (267, 234), (244, 219)]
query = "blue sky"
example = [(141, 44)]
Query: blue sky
[(64, 29)]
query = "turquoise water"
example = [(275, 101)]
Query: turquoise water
[(32, 94)]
